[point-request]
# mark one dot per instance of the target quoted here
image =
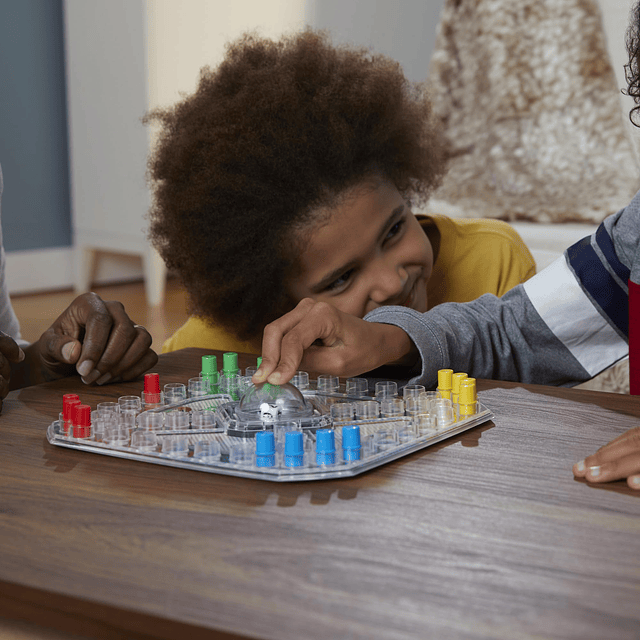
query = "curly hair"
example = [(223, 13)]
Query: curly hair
[(632, 68), (277, 132)]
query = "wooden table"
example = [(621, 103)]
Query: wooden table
[(486, 535)]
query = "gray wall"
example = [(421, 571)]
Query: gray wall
[(404, 30), (33, 126)]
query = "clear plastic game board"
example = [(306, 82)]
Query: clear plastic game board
[(307, 430)]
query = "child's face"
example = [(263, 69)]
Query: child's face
[(371, 252)]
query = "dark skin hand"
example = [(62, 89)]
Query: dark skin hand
[(93, 338)]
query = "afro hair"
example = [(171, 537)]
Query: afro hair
[(275, 133)]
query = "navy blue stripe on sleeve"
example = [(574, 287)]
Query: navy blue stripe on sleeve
[(606, 246), (600, 284)]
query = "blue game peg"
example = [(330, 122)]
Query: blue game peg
[(293, 449), (265, 449), (351, 447), (325, 446)]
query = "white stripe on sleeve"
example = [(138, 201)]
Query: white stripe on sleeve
[(569, 313)]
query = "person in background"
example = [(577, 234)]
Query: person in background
[(290, 173), (93, 338), (561, 327)]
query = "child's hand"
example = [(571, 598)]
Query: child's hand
[(618, 459), (317, 337), (94, 338)]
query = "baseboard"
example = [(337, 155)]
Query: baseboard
[(51, 269)]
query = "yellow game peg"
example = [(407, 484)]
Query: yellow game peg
[(444, 383), (456, 379), (468, 399)]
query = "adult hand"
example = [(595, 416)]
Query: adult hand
[(95, 338), (316, 336), (618, 459), (9, 352)]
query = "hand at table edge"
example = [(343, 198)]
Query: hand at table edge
[(616, 460), (93, 338)]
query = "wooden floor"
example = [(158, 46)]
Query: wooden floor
[(37, 312)]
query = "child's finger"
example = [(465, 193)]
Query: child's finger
[(318, 324), (599, 470), (613, 470), (621, 447), (289, 363), (634, 482), (273, 336)]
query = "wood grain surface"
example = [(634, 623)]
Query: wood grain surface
[(485, 535)]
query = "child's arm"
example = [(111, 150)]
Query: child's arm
[(546, 331), (317, 337), (496, 338)]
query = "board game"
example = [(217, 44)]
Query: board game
[(219, 422)]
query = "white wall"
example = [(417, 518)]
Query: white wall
[(184, 36)]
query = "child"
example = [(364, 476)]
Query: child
[(565, 325), (289, 174)]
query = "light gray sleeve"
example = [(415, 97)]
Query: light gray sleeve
[(500, 338), (8, 320)]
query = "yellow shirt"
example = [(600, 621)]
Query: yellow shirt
[(475, 256)]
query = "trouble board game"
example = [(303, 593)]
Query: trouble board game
[(219, 422)]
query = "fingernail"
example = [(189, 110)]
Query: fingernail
[(595, 471), (67, 351), (21, 355), (85, 367), (258, 374), (92, 377), (580, 466), (635, 481), (105, 378), (275, 378)]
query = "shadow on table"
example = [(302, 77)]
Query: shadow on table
[(161, 482)]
